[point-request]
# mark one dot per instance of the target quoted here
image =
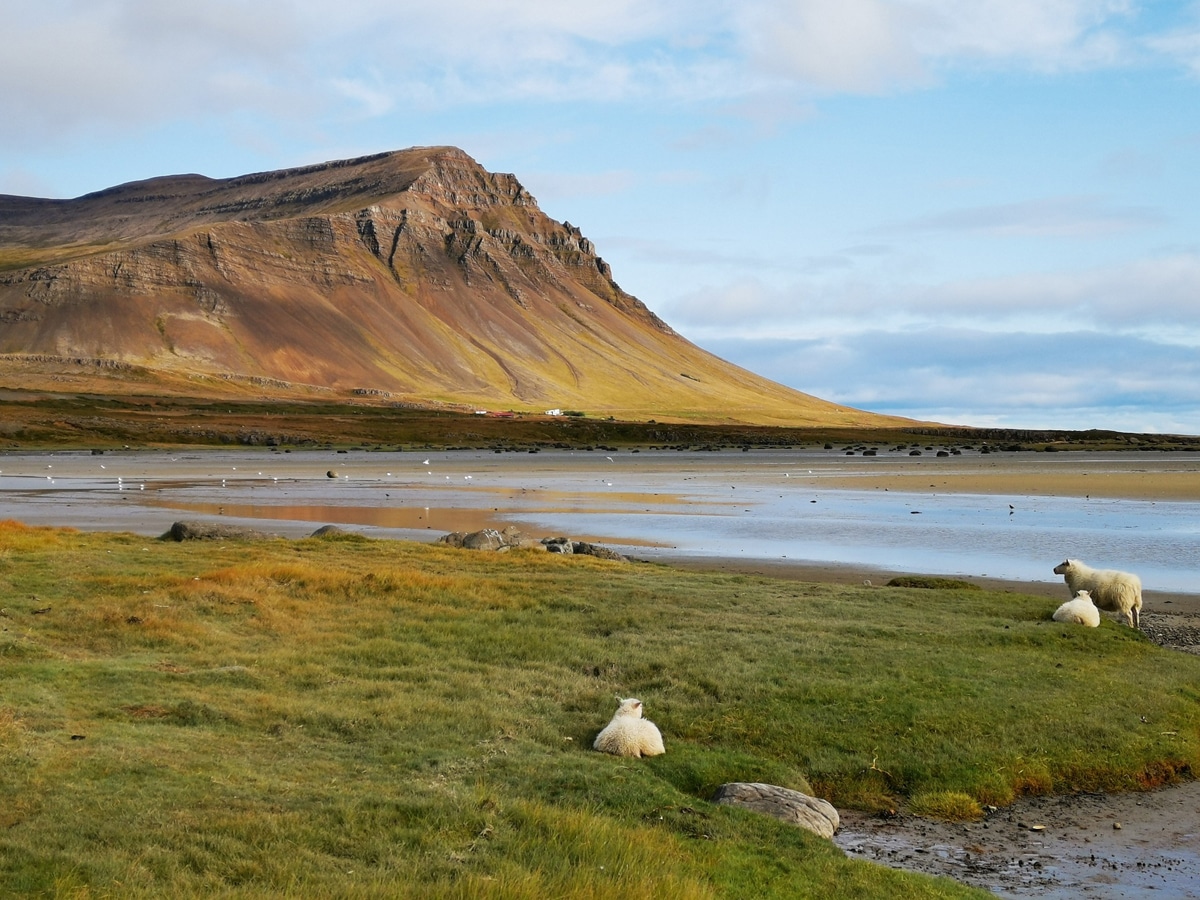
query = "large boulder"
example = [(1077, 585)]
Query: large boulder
[(213, 531), (487, 539), (793, 807)]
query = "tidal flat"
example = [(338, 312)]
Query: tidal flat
[(1004, 516)]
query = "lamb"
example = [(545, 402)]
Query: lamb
[(1080, 611), (1119, 592), (628, 734)]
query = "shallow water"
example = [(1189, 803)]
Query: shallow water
[(778, 504)]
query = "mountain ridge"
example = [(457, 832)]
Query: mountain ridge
[(411, 276)]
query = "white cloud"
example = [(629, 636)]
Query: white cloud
[(834, 45), (122, 64), (1012, 379), (1049, 217), (1180, 44), (374, 101), (1148, 298), (869, 46)]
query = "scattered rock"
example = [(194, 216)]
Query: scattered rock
[(793, 807), (512, 537)]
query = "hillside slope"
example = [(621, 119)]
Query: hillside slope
[(414, 276)]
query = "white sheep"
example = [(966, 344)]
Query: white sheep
[(628, 734), (1079, 610), (1119, 592)]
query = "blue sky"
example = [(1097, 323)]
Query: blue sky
[(982, 212)]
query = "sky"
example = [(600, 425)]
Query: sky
[(977, 212)]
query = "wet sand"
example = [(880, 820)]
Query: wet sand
[(1082, 477)]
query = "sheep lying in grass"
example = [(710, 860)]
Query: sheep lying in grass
[(1119, 592), (628, 734), (1080, 610)]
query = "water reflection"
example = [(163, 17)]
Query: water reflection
[(761, 505)]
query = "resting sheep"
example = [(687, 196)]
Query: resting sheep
[(1080, 611), (628, 734), (1119, 592)]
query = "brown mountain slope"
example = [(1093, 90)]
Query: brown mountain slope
[(415, 276)]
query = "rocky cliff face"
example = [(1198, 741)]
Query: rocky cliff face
[(414, 275)]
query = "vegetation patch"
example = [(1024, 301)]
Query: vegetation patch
[(382, 718), (930, 582)]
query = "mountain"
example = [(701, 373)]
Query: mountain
[(414, 276)]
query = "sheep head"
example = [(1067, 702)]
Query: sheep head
[(1064, 567), (630, 707)]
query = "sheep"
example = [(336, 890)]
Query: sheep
[(628, 734), (1080, 611), (1119, 592)]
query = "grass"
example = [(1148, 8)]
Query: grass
[(932, 582), (360, 718)]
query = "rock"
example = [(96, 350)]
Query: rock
[(793, 807), (512, 537), (206, 531), (488, 539), (328, 531), (454, 538), (600, 552)]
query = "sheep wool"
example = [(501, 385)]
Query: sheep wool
[(1080, 610), (1119, 592), (628, 734)]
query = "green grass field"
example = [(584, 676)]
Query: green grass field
[(354, 718)]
